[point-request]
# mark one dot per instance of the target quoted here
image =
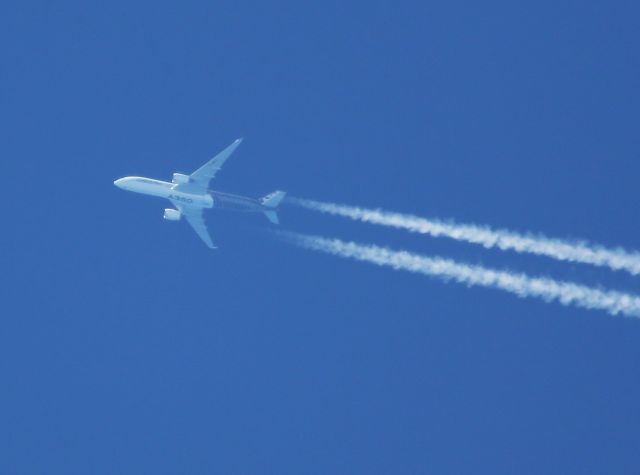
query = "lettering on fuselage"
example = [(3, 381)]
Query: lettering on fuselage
[(182, 199)]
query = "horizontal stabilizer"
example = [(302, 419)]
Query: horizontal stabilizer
[(272, 216), (272, 200)]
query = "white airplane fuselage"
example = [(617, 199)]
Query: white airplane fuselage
[(190, 195), (210, 199), (163, 189)]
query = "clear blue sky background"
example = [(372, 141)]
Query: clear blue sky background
[(126, 346)]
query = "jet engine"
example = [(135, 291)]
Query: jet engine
[(172, 214), (180, 179)]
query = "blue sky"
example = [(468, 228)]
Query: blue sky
[(126, 346)]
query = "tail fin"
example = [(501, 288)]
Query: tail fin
[(272, 200)]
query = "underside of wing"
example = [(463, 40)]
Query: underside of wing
[(195, 218), (203, 175), (198, 225)]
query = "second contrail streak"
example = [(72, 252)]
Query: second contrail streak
[(615, 259), (566, 293)]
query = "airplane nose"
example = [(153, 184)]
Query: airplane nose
[(119, 182)]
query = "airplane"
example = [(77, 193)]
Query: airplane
[(190, 195)]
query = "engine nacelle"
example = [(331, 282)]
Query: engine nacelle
[(172, 214), (180, 179)]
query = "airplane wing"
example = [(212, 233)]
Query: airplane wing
[(196, 220), (202, 176)]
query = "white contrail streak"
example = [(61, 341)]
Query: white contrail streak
[(547, 289), (580, 252)]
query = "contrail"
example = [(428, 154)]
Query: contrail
[(580, 252), (566, 293)]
